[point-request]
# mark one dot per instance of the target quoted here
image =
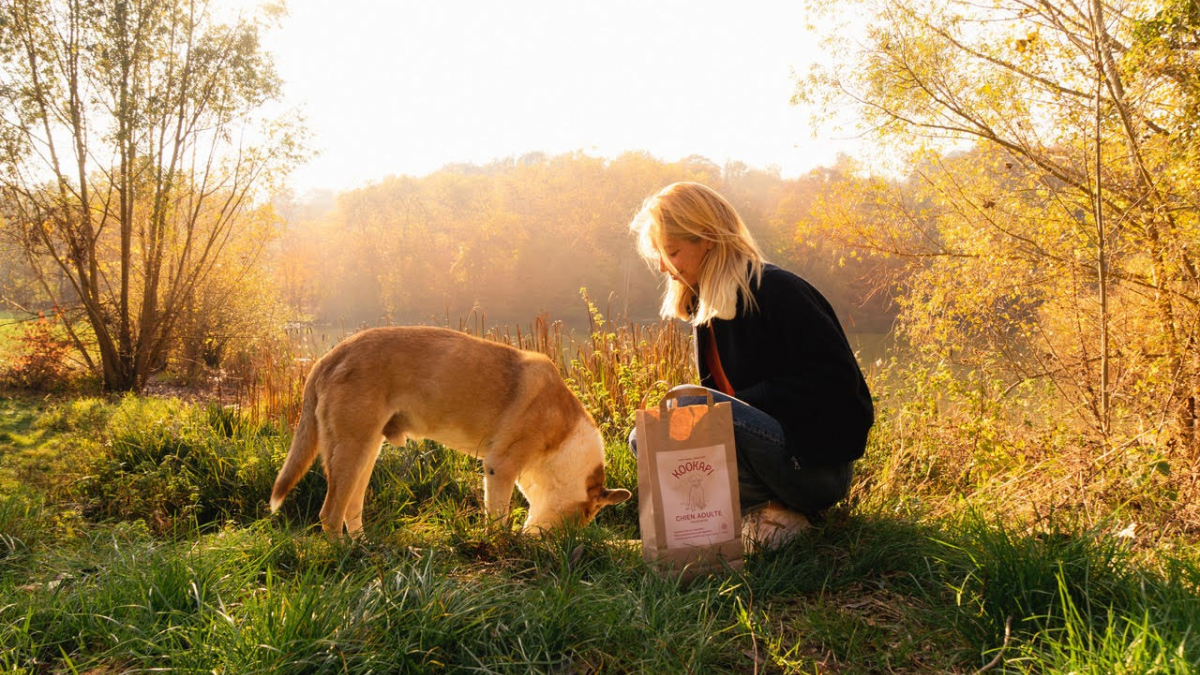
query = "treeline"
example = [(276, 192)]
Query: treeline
[(500, 244), (521, 237)]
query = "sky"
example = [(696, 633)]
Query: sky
[(402, 87)]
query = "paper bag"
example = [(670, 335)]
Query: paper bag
[(688, 504)]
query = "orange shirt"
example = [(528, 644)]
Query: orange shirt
[(713, 361)]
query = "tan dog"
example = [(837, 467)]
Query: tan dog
[(506, 406)]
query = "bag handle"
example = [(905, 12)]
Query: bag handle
[(687, 390)]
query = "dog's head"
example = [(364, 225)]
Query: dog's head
[(569, 486), (544, 515), (599, 497)]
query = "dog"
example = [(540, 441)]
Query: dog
[(506, 406)]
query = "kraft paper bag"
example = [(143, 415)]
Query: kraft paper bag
[(688, 504)]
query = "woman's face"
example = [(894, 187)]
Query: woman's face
[(686, 256)]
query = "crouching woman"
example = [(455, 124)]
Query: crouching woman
[(770, 344)]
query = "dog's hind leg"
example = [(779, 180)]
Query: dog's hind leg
[(348, 473), (354, 507)]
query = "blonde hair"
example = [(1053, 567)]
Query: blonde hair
[(695, 212)]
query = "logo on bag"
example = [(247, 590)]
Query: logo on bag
[(691, 466)]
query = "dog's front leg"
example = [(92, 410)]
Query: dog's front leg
[(498, 483)]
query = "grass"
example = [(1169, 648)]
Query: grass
[(217, 586), (864, 595), (134, 537)]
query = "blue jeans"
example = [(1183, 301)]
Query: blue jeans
[(766, 470)]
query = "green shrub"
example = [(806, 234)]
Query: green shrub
[(171, 464)]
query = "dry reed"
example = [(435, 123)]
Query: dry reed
[(614, 369)]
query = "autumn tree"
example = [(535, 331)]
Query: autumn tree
[(813, 225), (1053, 221), (129, 161)]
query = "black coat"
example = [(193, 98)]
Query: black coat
[(790, 358)]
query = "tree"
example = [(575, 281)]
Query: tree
[(1069, 240), (129, 157)]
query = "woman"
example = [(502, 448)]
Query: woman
[(771, 345)]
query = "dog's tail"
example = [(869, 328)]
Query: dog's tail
[(303, 451)]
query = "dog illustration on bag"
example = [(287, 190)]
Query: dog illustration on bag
[(696, 500)]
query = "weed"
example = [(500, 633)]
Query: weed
[(23, 528)]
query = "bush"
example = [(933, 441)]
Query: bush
[(40, 363), (176, 465), (170, 464)]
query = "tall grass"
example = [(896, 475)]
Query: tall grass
[(620, 368), (615, 369), (171, 464), (1079, 600), (268, 379)]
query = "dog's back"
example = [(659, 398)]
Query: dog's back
[(435, 383)]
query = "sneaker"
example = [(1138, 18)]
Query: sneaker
[(771, 526)]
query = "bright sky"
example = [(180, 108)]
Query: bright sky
[(391, 87)]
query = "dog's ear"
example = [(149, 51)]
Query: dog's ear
[(611, 497)]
